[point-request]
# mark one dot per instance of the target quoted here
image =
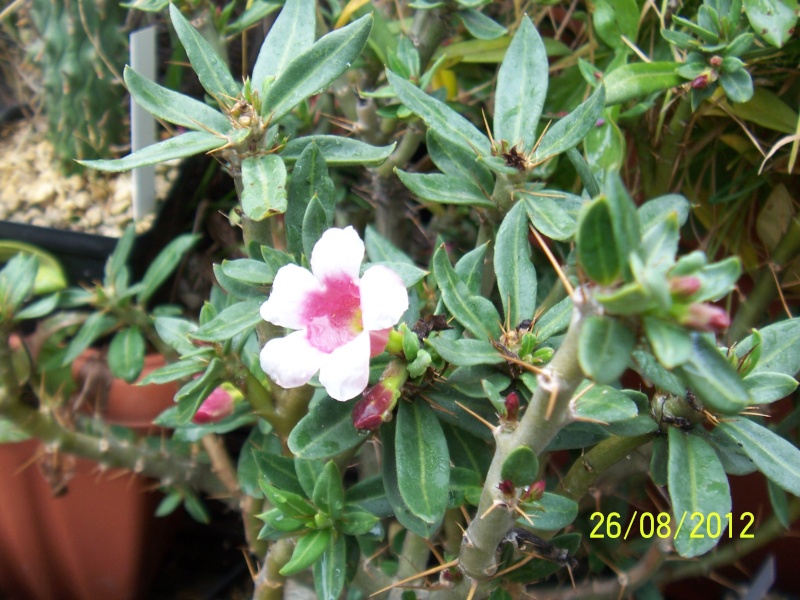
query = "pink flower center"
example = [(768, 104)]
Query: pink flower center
[(333, 315)]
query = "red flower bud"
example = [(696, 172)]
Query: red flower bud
[(512, 407), (374, 408), (507, 488), (535, 491), (216, 407), (715, 61), (706, 317), (684, 286), (701, 81)]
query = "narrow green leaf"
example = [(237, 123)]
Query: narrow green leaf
[(230, 322), (639, 80), (656, 210), (192, 394), (290, 504), (402, 512), (516, 275), (330, 571), (466, 450), (328, 493), (96, 325), (381, 250), (769, 387), (738, 85), (570, 130), (475, 313), (118, 260), (309, 178), (423, 461), (326, 431), (612, 20), (279, 471), (713, 379), (671, 343), (780, 504), (211, 70), (698, 487), (174, 107), (773, 20), (248, 270), (479, 25), (554, 214), (308, 550), (39, 308), (164, 264), (180, 146), (338, 151), (444, 189), (604, 404), (774, 456), (649, 368), (175, 332), (465, 353), (555, 320), (521, 88), (369, 494), (16, 282), (459, 162), (183, 369), (263, 186), (410, 274), (439, 117), (315, 222), (291, 34), (307, 471), (584, 172), (312, 70), (597, 254), (469, 268), (126, 354)]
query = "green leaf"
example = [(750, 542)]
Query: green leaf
[(307, 471), (211, 70), (358, 522), (612, 20), (604, 347), (180, 146), (96, 325), (774, 456), (597, 254), (248, 270), (475, 313), (263, 186), (466, 450), (402, 512), (182, 369), (291, 34), (192, 394), (654, 211), (164, 264), (338, 151), (584, 172), (773, 20), (326, 431), (330, 571), (780, 504), (174, 107), (521, 467), (309, 178), (738, 85), (16, 282), (516, 275), (277, 525), (570, 130), (444, 189), (439, 117), (230, 322), (312, 70), (315, 222), (769, 387), (423, 461), (780, 348), (697, 484), (459, 162), (37, 309), (410, 274), (126, 354), (671, 343), (308, 550), (381, 250), (175, 333), (604, 404), (369, 495), (553, 512), (479, 25), (465, 353), (648, 367), (555, 320), (328, 493), (469, 269), (712, 378), (521, 88), (117, 262), (639, 80), (290, 504), (605, 145)]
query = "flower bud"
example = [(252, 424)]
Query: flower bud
[(705, 317), (378, 402), (219, 404), (506, 488), (715, 61), (701, 81), (534, 491), (512, 407), (684, 286)]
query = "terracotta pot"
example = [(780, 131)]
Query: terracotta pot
[(101, 540)]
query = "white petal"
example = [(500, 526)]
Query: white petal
[(290, 361), (384, 298), (338, 252), (291, 287), (345, 371)]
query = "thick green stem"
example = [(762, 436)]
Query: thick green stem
[(765, 290), (546, 414), (589, 467), (269, 583)]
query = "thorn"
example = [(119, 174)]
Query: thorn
[(476, 415), (559, 271), (431, 571), (494, 505), (551, 403), (472, 590), (524, 515)]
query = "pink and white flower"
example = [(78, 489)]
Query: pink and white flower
[(341, 320)]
